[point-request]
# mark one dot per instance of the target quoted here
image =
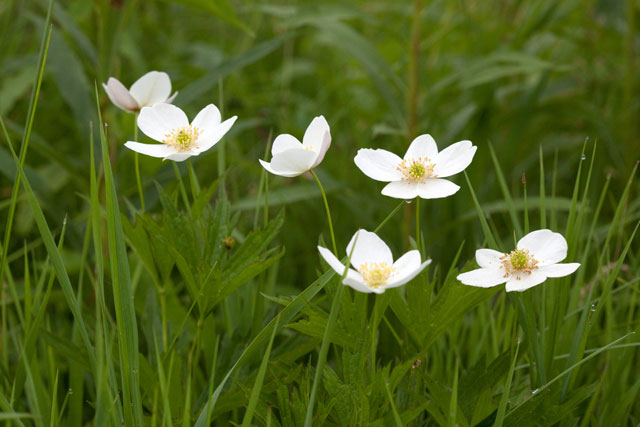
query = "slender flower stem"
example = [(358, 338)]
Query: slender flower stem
[(137, 163), (193, 179), (418, 223), (183, 191), (391, 214), (326, 206)]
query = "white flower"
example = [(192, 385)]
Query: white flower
[(150, 89), (168, 124), (375, 270), (535, 259), (421, 171), (291, 158)]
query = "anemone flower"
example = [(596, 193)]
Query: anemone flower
[(168, 124), (152, 88), (535, 259), (420, 172), (291, 158), (375, 270)]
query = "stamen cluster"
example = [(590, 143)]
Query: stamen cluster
[(417, 170), (183, 139), (517, 262), (376, 274)]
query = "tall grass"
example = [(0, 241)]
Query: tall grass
[(210, 305)]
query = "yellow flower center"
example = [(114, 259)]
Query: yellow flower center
[(183, 139), (376, 274), (417, 170), (517, 262)]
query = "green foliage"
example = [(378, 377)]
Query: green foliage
[(210, 306)]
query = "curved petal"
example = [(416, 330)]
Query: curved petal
[(545, 246), (153, 87), (401, 190), (454, 159), (297, 160), (355, 281), (405, 273), (525, 281), (436, 188), (423, 146), (207, 119), (284, 142), (332, 260), (172, 97), (180, 156), (157, 121), (488, 258), (381, 165), (210, 137), (483, 277), (368, 248), (119, 95), (324, 146), (153, 150), (559, 270), (269, 169), (315, 134)]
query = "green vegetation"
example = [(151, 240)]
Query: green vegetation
[(211, 305)]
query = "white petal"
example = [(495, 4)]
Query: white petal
[(157, 121), (436, 188), (171, 98), (454, 159), (381, 165), (525, 281), (210, 137), (284, 142), (297, 160), (119, 95), (153, 150), (489, 258), (406, 268), (545, 246), (422, 146), (401, 190), (315, 133), (180, 156), (269, 169), (559, 270), (483, 277), (208, 118), (352, 279), (153, 87), (369, 248)]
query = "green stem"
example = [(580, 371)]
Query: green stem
[(222, 161), (326, 206), (418, 223), (391, 214), (183, 191), (193, 179), (137, 163)]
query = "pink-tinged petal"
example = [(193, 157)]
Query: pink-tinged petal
[(483, 277), (545, 246), (153, 87), (293, 160), (158, 121), (171, 98), (489, 258), (381, 165), (436, 188), (284, 142), (368, 248), (454, 159), (269, 169), (153, 150), (180, 156), (406, 268), (401, 190), (559, 270), (522, 282), (213, 134), (120, 96), (423, 146)]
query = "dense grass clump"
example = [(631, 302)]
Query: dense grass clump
[(136, 291)]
